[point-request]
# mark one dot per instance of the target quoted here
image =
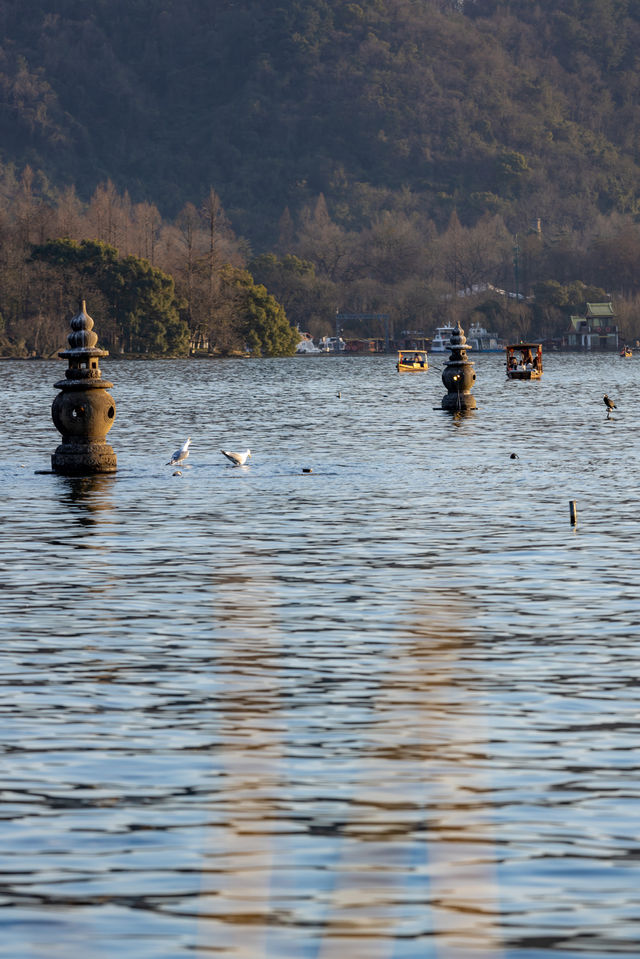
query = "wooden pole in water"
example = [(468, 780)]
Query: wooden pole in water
[(573, 513)]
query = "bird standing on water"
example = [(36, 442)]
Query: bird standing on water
[(180, 455), (238, 459), (609, 404)]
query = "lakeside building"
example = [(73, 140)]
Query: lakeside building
[(596, 330)]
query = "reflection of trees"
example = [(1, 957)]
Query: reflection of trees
[(252, 735), (383, 798), (421, 806)]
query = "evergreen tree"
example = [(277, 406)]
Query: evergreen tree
[(140, 299), (262, 322)]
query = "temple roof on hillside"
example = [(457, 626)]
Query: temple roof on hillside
[(600, 310)]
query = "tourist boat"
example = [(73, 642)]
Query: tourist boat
[(481, 341), (441, 338), (332, 344), (306, 344), (524, 361), (412, 361), (626, 352)]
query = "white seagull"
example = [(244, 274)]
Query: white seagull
[(180, 455), (238, 459)]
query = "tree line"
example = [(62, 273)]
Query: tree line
[(191, 285), (154, 287), (523, 285)]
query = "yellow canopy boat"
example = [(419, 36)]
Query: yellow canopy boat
[(412, 361), (524, 361)]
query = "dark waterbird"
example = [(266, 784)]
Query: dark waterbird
[(609, 404)]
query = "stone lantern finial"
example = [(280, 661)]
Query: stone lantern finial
[(83, 412)]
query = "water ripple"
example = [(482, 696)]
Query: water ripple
[(386, 709)]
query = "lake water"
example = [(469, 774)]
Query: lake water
[(387, 709)]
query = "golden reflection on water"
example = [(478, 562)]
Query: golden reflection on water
[(427, 721), (421, 783), (250, 771)]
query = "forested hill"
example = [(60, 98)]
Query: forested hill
[(527, 109)]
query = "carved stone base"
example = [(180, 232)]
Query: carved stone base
[(83, 459), (459, 401)]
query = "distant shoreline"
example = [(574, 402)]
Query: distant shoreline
[(248, 356)]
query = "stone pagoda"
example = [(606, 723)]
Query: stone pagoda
[(458, 375), (83, 412)]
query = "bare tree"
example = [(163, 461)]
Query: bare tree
[(326, 243), (146, 231), (69, 214), (109, 216), (473, 257)]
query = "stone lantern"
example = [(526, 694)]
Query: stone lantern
[(83, 412), (458, 375)]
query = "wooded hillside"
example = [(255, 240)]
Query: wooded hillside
[(364, 157), (502, 106)]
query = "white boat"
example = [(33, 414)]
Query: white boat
[(481, 341), (332, 344), (306, 344), (441, 338)]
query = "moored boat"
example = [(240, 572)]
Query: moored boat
[(481, 340), (412, 361), (332, 344), (306, 344), (441, 339), (524, 361)]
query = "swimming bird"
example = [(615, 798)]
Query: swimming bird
[(238, 459), (180, 455)]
